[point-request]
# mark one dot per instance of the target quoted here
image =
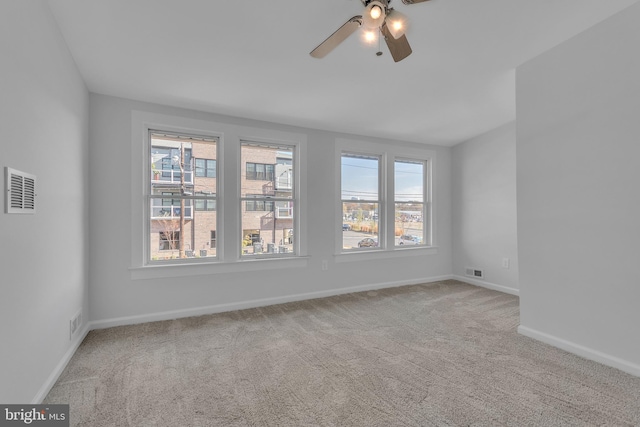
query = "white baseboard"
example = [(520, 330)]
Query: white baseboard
[(175, 314), (199, 311), (48, 384), (582, 351), (488, 285), (220, 308)]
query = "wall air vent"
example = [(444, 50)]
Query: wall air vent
[(20, 192), (472, 272)]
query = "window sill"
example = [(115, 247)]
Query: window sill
[(208, 268), (379, 254)]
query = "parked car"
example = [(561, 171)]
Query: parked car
[(346, 227), (367, 243), (407, 239)]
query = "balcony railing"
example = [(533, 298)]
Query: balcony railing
[(284, 183), (170, 212), (284, 177), (284, 211), (170, 176)]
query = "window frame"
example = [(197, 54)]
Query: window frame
[(206, 167), (379, 201), (166, 240), (268, 169), (228, 249), (389, 153), (296, 147), (190, 200), (426, 231), (251, 199), (207, 202)]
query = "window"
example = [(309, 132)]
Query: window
[(360, 195), (410, 209), (182, 211), (260, 171), (258, 204), (383, 203), (206, 203), (205, 168), (201, 245), (267, 199), (165, 167), (169, 240)]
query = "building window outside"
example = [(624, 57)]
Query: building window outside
[(258, 204), (260, 171), (267, 199), (182, 196), (204, 204), (166, 169), (409, 194), (205, 168), (360, 197), (168, 240)]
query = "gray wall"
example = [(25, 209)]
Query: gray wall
[(116, 298), (484, 209), (43, 257), (578, 150)]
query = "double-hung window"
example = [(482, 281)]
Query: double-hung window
[(205, 168), (410, 207), (206, 199), (268, 199), (385, 204), (360, 196), (260, 171), (182, 204)]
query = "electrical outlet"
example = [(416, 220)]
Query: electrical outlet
[(325, 265), (505, 263)]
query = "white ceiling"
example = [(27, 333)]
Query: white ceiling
[(251, 59)]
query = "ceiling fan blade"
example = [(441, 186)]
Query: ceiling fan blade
[(413, 1), (399, 47), (337, 37)]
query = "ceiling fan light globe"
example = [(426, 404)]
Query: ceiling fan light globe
[(369, 36), (397, 23), (374, 14)]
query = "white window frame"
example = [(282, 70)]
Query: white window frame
[(228, 217), (389, 153), (426, 212), (295, 196), (379, 201), (190, 199)]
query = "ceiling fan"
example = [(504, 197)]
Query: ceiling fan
[(377, 15)]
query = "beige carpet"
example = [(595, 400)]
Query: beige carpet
[(439, 354)]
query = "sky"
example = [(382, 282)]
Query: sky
[(360, 179)]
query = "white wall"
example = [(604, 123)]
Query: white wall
[(116, 299), (43, 257), (578, 173), (484, 209)]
